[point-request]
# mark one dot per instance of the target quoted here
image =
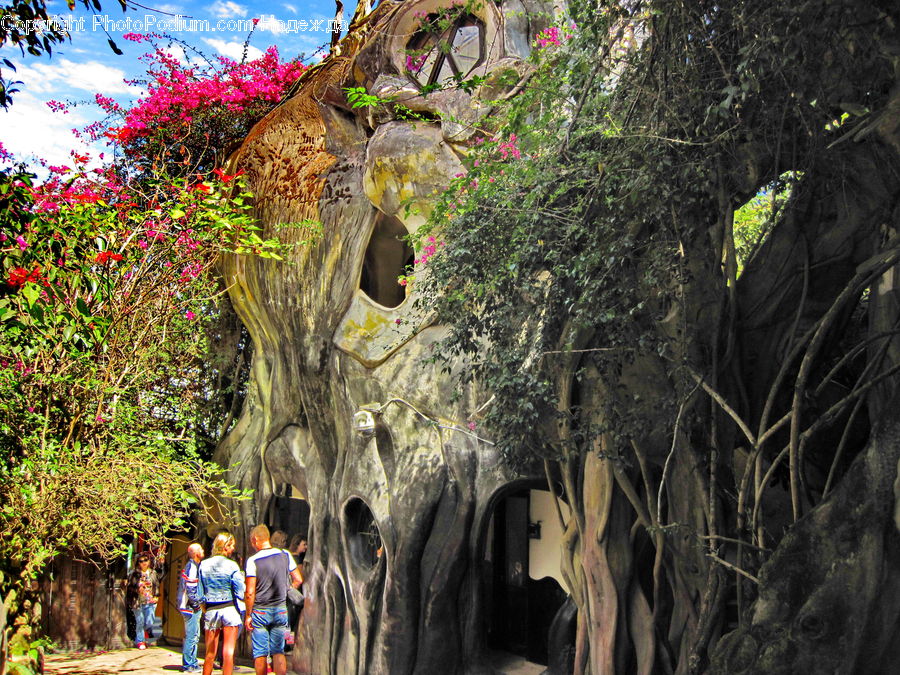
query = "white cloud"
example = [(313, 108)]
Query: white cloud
[(32, 130), (91, 76), (291, 8), (177, 53), (268, 22), (233, 50), (170, 9), (225, 9)]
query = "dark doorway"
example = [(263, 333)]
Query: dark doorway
[(521, 609), (288, 514), (509, 629)]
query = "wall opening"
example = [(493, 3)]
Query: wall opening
[(363, 536), (288, 514), (388, 256), (521, 595)]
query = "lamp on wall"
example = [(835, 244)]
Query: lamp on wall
[(534, 530), (364, 422)]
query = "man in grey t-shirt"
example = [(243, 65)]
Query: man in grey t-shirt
[(266, 597)]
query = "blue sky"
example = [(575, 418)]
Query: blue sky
[(86, 66)]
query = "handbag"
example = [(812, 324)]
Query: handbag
[(294, 595)]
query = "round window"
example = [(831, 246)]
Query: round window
[(437, 53)]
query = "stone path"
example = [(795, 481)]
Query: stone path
[(133, 661), (514, 665), (154, 660)]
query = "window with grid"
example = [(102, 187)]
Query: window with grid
[(452, 53)]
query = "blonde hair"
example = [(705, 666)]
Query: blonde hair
[(222, 540), (260, 533)]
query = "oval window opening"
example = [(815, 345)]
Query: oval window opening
[(388, 256), (363, 537)]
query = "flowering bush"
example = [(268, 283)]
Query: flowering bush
[(554, 36), (112, 389), (193, 114), (103, 297), (108, 296), (108, 303)]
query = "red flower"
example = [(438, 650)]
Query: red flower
[(105, 256), (226, 178), (19, 276)]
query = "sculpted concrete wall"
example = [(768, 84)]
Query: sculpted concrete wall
[(344, 403)]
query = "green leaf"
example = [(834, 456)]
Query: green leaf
[(31, 293)]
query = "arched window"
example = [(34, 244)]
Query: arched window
[(363, 537), (452, 53)]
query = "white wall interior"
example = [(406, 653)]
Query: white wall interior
[(544, 553)]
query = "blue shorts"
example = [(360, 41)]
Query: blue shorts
[(269, 626)]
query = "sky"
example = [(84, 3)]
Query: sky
[(86, 66)]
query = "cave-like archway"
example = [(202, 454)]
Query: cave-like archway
[(523, 589)]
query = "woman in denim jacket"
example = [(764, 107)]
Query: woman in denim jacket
[(221, 589)]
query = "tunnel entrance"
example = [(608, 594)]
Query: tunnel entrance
[(524, 587)]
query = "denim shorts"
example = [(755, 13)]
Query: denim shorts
[(222, 616), (269, 626)]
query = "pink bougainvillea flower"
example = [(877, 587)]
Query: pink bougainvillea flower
[(177, 94), (20, 240), (189, 315), (509, 149), (552, 37), (414, 64)]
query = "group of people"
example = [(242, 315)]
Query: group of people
[(228, 599)]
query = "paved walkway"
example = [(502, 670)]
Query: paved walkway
[(154, 660), (134, 661)]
